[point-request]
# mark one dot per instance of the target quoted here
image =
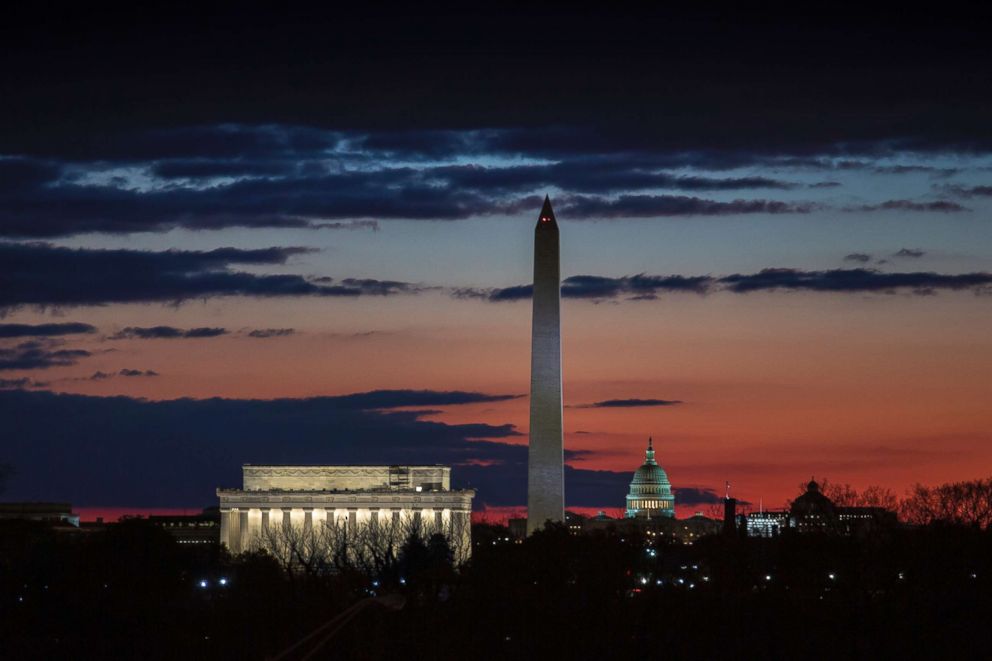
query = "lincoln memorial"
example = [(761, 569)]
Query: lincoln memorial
[(336, 503)]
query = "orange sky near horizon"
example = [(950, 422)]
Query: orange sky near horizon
[(879, 389)]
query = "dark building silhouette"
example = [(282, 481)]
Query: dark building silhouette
[(202, 528), (815, 512), (729, 515), (53, 513)]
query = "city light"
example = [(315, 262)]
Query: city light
[(204, 583), (223, 581)]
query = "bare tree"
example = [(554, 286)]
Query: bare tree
[(876, 496), (966, 503), (297, 548), (844, 495), (370, 547)]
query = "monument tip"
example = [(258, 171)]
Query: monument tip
[(547, 213)]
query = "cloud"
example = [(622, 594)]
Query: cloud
[(590, 286), (103, 376), (44, 330), (910, 169), (388, 399), (23, 382), (515, 293), (349, 198), (700, 496), (20, 173), (165, 333), (968, 191), (45, 275), (645, 206), (646, 287), (271, 332), (630, 403), (639, 286), (39, 355), (857, 257), (909, 252), (940, 206), (42, 274), (185, 448), (852, 280), (227, 175), (130, 372), (590, 174), (348, 225)]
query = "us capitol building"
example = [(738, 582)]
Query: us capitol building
[(276, 500), (650, 491), (650, 509)]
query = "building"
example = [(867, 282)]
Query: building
[(545, 454), (196, 529), (657, 528), (325, 507), (766, 523), (729, 514), (52, 513), (650, 492), (815, 512)]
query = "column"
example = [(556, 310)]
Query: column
[(243, 532), (225, 527), (234, 532)]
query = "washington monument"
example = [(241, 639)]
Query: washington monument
[(545, 460)]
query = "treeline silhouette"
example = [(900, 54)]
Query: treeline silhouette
[(131, 592), (965, 503)]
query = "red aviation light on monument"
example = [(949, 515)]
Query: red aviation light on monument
[(547, 213)]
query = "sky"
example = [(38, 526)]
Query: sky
[(290, 236)]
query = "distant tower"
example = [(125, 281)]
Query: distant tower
[(545, 458), (650, 491), (729, 513)]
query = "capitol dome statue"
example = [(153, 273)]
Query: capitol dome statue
[(650, 491)]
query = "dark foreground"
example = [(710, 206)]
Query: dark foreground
[(132, 593)]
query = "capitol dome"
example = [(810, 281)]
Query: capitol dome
[(650, 491)]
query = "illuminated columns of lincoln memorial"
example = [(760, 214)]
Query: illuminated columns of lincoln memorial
[(349, 497)]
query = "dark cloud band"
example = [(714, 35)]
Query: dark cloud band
[(648, 287), (44, 330), (42, 274), (631, 403), (165, 333)]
